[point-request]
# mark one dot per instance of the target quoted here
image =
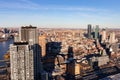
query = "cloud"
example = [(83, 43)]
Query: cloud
[(17, 4), (29, 5), (68, 8)]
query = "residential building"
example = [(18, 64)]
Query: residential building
[(21, 61)]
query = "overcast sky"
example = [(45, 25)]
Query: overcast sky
[(60, 13)]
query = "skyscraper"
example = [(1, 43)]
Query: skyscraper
[(89, 30), (30, 34), (97, 32), (103, 35), (112, 38), (21, 61)]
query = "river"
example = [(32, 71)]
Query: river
[(4, 47)]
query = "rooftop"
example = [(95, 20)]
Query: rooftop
[(27, 27), (20, 43)]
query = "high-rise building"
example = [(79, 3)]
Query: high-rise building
[(89, 30), (30, 35), (112, 38), (97, 32), (20, 34), (104, 35), (21, 61), (42, 43), (16, 38), (93, 32)]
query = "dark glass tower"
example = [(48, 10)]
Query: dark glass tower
[(97, 32), (89, 30)]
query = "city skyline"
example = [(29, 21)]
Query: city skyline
[(60, 54), (62, 13)]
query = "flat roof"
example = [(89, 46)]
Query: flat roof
[(21, 43), (28, 27)]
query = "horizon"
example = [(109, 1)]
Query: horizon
[(74, 28), (62, 13)]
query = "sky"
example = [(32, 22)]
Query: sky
[(60, 13)]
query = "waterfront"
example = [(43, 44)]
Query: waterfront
[(4, 47)]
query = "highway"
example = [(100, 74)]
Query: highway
[(98, 74)]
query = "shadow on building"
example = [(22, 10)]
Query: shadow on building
[(37, 61), (71, 65), (92, 59), (70, 52), (49, 60), (85, 35)]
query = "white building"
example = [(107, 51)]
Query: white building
[(21, 61), (103, 35), (112, 38), (26, 57)]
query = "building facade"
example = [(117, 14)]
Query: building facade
[(112, 38), (97, 32), (21, 61), (89, 30), (104, 36), (28, 34)]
